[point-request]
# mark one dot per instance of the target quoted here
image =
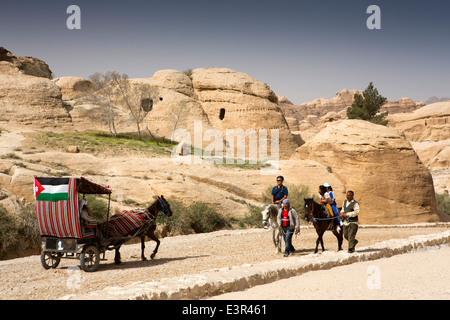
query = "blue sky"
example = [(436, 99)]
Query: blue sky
[(302, 49)]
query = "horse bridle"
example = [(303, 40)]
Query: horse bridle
[(312, 210), (163, 208)]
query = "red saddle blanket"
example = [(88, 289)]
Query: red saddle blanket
[(122, 223)]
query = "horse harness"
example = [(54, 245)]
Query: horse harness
[(163, 208), (319, 219)]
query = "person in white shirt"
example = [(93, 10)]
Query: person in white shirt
[(349, 213)]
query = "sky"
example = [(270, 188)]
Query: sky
[(302, 49)]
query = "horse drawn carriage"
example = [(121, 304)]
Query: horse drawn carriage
[(66, 235)]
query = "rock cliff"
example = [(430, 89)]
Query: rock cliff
[(235, 100), (388, 178)]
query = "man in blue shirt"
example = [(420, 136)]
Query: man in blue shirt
[(279, 192)]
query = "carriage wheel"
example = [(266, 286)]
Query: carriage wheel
[(50, 260), (90, 259)]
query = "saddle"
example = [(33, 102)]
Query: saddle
[(328, 211)]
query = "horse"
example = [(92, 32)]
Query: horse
[(270, 212), (316, 212), (147, 228)]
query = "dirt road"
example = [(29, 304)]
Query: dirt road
[(178, 256)]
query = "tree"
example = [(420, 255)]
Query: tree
[(103, 95), (112, 90), (138, 98), (367, 106)]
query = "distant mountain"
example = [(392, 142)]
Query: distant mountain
[(436, 99)]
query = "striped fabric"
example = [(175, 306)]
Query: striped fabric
[(60, 218), (122, 223)]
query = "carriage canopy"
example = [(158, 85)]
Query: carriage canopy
[(57, 209)]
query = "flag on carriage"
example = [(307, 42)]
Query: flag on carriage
[(51, 189)]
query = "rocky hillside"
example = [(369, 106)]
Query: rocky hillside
[(428, 130), (378, 163), (381, 167), (323, 110)]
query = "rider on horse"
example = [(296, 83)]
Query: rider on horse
[(279, 192)]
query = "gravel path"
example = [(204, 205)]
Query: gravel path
[(178, 256)]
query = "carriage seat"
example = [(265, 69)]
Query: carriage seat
[(89, 229)]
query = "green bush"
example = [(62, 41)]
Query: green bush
[(18, 233), (443, 203), (8, 230), (98, 207), (366, 106), (195, 218), (253, 218), (203, 218)]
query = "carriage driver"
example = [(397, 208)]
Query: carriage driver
[(85, 214), (279, 192), (288, 221)]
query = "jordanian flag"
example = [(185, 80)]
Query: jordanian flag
[(51, 189)]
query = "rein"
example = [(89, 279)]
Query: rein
[(319, 219), (163, 209)]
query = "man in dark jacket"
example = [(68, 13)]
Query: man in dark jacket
[(279, 192)]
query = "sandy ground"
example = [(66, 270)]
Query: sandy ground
[(419, 275), (182, 256)]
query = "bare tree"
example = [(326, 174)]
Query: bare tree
[(179, 115), (138, 98), (103, 95), (112, 89)]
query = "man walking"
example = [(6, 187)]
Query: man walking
[(349, 212), (288, 221)]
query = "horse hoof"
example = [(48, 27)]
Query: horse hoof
[(117, 262), (152, 256), (144, 258)]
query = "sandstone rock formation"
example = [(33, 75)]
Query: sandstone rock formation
[(10, 64), (174, 80), (180, 102), (428, 130), (389, 180), (431, 122), (32, 101), (27, 97), (320, 107), (404, 105), (73, 87), (338, 105), (236, 100), (175, 106)]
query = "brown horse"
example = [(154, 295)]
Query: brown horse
[(315, 212), (160, 205)]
